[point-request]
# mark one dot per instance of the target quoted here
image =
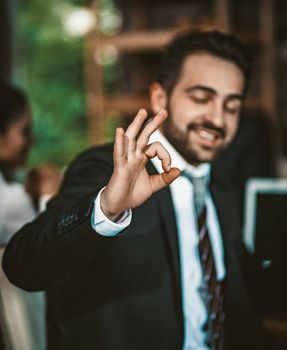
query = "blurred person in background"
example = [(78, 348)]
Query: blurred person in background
[(22, 314), (16, 140)]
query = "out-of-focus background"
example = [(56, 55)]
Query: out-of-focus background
[(86, 65)]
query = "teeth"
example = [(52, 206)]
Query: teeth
[(206, 135)]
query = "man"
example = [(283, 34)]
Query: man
[(119, 251)]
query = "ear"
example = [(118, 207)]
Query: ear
[(158, 97)]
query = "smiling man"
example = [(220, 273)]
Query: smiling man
[(203, 106), (140, 249)]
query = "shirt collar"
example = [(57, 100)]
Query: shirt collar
[(202, 170)]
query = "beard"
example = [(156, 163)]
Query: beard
[(182, 142)]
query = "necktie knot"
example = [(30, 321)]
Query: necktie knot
[(200, 187)]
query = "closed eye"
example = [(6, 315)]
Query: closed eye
[(200, 100), (200, 94), (233, 106), (232, 110)]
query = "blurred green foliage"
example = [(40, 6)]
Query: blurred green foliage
[(49, 66)]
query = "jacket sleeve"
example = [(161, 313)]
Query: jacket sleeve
[(46, 250)]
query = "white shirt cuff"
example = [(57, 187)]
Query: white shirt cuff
[(103, 225)]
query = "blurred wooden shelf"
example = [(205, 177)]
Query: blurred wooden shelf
[(125, 105), (141, 41), (276, 325), (136, 41)]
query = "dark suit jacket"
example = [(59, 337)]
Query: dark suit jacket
[(123, 292)]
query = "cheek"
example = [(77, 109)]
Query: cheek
[(179, 110), (231, 128), (18, 142), (6, 148), (181, 117)]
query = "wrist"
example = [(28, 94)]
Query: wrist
[(112, 215)]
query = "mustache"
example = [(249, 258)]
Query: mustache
[(207, 125)]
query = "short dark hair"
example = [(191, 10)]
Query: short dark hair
[(214, 42), (13, 102)]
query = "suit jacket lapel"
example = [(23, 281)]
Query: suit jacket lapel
[(164, 202), (225, 203), (163, 198)]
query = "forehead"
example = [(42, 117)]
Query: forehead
[(208, 70)]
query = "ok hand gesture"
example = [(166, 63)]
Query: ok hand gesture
[(130, 184)]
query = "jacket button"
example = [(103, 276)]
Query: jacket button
[(65, 222)]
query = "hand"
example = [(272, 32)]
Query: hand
[(130, 184)]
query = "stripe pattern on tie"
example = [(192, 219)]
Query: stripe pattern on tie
[(212, 289)]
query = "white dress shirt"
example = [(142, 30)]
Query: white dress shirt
[(194, 310)]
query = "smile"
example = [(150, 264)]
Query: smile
[(208, 135)]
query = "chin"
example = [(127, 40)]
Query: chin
[(210, 158), (205, 157)]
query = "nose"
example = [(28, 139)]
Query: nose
[(216, 113)]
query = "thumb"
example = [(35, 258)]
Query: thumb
[(169, 177), (160, 181)]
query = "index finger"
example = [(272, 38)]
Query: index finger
[(136, 125), (150, 128)]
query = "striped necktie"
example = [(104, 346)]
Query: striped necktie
[(211, 291)]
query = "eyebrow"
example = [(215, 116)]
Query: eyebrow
[(212, 91)]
